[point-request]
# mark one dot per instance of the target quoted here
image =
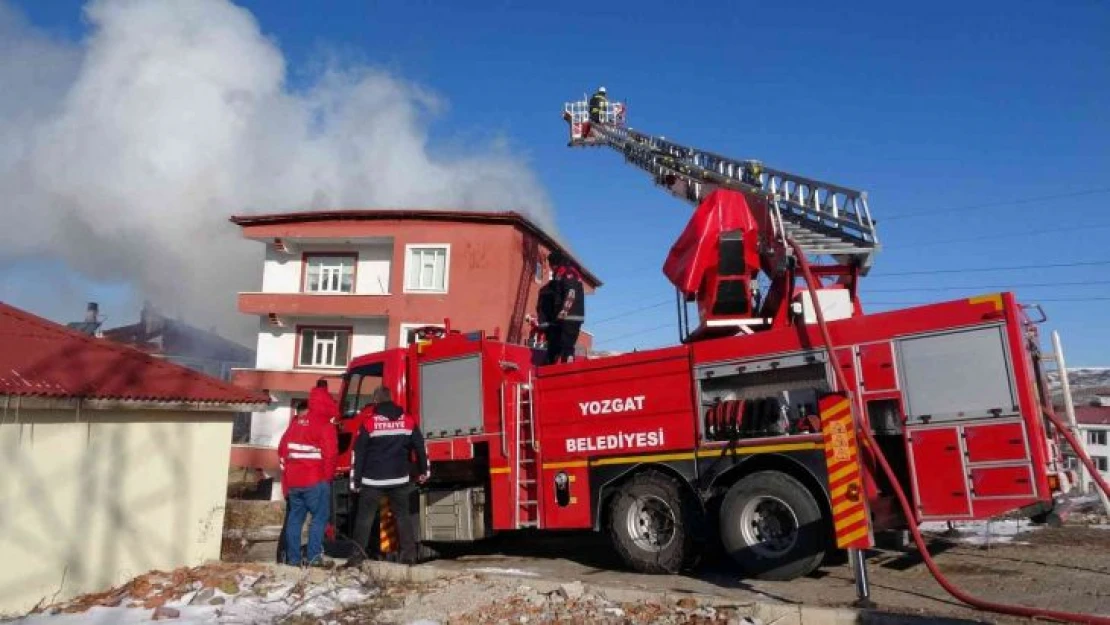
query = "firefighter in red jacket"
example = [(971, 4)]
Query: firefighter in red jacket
[(388, 439), (321, 405), (307, 453)]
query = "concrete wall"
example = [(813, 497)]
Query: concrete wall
[(100, 497)]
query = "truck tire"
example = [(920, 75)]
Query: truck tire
[(772, 527), (653, 524)]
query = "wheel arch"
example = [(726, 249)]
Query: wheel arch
[(611, 486)]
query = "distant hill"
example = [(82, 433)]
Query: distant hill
[(1086, 384)]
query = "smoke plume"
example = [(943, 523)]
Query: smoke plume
[(123, 156)]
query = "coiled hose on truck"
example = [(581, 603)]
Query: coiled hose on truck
[(872, 444)]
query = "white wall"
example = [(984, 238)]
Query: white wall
[(374, 262), (1096, 450), (276, 345), (267, 426), (281, 273), (100, 497)]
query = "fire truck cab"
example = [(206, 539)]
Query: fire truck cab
[(720, 441)]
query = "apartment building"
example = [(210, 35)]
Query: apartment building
[(338, 284)]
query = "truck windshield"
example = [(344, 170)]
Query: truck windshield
[(360, 387)]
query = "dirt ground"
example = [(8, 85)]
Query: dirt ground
[(1066, 569)]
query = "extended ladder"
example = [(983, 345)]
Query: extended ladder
[(824, 218), (526, 491)]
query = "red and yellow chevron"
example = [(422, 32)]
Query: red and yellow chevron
[(387, 527), (851, 521)]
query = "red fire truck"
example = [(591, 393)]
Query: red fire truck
[(741, 436)]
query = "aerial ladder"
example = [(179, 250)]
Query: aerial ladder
[(830, 223), (790, 228)]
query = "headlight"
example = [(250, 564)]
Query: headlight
[(561, 479)]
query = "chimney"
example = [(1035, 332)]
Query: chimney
[(92, 312)]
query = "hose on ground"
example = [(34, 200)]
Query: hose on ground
[(1001, 608)]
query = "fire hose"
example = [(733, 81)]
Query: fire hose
[(873, 447)]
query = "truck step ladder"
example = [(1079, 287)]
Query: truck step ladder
[(526, 472), (825, 219)]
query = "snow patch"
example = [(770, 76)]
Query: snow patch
[(992, 532)]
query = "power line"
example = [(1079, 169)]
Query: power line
[(1031, 300), (1003, 287), (636, 332), (900, 290), (633, 311), (925, 272), (1008, 235), (975, 207)]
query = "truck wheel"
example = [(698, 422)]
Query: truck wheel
[(652, 524), (772, 527)]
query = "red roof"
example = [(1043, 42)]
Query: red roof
[(40, 358), (1092, 415), (425, 214)]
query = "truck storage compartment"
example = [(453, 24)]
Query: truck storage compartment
[(453, 515), (1002, 482), (938, 469), (451, 397), (956, 376), (995, 443)]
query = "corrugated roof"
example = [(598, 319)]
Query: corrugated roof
[(39, 358), (381, 214)]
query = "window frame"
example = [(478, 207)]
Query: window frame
[(405, 326), (307, 256), (1096, 437), (409, 248), (1102, 466), (299, 343)]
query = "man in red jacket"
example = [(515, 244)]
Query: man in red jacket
[(321, 406), (307, 453)]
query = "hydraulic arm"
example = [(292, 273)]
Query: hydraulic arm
[(746, 214)]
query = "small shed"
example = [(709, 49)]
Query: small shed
[(112, 462)]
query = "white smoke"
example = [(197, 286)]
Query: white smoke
[(123, 156)]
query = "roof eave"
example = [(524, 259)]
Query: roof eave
[(508, 217), (42, 402)]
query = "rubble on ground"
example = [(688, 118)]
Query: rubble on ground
[(575, 603)]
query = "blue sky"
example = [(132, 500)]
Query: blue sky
[(930, 107)]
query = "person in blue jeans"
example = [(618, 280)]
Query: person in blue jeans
[(307, 453)]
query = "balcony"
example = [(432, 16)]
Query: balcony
[(286, 381), (314, 304)]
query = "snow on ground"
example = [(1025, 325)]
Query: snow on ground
[(993, 532), (252, 603)]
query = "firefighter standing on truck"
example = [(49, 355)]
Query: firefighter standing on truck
[(570, 310), (307, 454), (387, 440)]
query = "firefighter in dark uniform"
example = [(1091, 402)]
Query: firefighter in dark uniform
[(387, 441), (546, 311), (597, 105), (570, 310)]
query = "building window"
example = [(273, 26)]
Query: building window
[(407, 328), (426, 268), (324, 347), (1100, 463), (329, 273), (1096, 437)]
